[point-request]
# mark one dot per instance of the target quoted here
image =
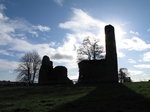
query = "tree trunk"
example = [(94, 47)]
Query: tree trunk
[(29, 75), (34, 75)]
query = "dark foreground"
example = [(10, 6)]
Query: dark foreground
[(130, 97)]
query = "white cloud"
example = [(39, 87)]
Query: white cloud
[(8, 29), (120, 54), (142, 66), (7, 70), (7, 65), (11, 29), (131, 61), (135, 43), (135, 72), (146, 57), (42, 28), (82, 22), (137, 75), (59, 2), (2, 16), (83, 25), (24, 46), (4, 52), (60, 54), (134, 33)]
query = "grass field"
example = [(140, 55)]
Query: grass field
[(129, 97)]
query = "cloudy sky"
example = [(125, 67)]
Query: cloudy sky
[(57, 27)]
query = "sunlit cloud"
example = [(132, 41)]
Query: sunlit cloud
[(134, 43), (142, 66), (134, 33), (131, 61), (42, 28), (135, 72), (146, 57)]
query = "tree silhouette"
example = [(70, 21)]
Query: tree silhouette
[(123, 75), (28, 67), (90, 50)]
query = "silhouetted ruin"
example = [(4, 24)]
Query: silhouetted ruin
[(105, 70), (90, 71), (61, 73), (50, 75)]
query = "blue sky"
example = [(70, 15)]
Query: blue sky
[(57, 27)]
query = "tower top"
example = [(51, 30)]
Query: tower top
[(109, 28)]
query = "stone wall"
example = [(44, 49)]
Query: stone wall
[(93, 71), (50, 75), (99, 71)]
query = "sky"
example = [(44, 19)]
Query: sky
[(56, 28)]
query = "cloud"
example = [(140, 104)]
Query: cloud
[(82, 22), (134, 43), (142, 66), (11, 29), (146, 57), (135, 72), (4, 52), (7, 65), (59, 2), (83, 25), (58, 56), (2, 16), (7, 70), (131, 61), (20, 45), (120, 54), (137, 75), (42, 28), (134, 33)]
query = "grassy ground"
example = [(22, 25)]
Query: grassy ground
[(130, 97), (38, 98)]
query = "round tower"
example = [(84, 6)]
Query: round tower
[(111, 54)]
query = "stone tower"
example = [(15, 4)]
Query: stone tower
[(111, 54)]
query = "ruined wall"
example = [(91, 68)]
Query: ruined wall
[(46, 71), (49, 75), (61, 73), (98, 71), (92, 71)]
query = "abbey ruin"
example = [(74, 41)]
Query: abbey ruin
[(90, 71), (52, 75), (105, 70)]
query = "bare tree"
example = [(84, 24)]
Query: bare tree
[(28, 67), (123, 75), (90, 50)]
